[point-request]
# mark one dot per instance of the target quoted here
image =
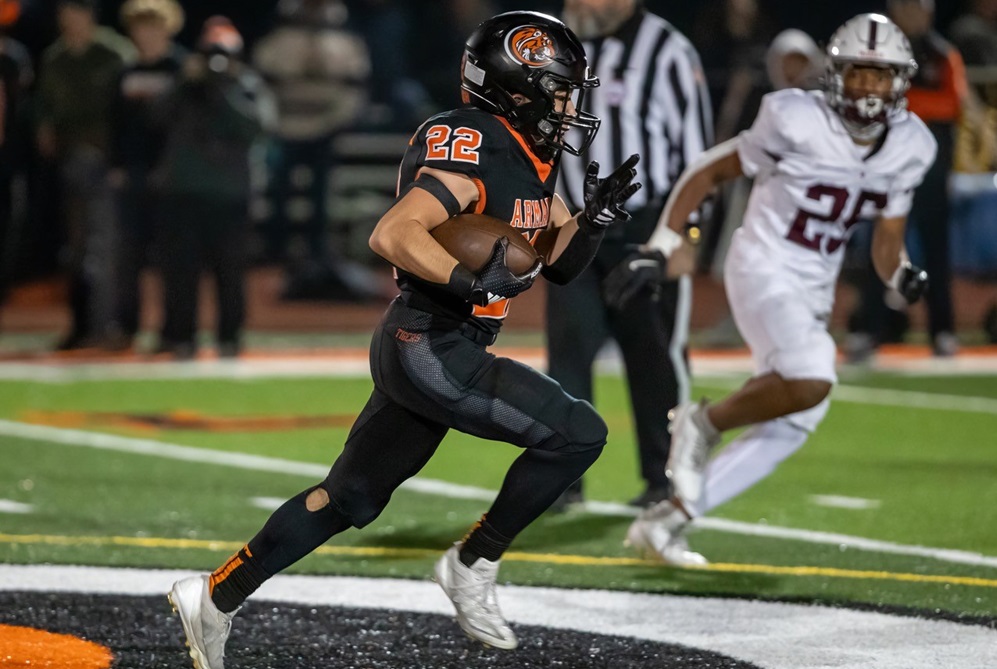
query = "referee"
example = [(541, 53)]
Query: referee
[(653, 101)]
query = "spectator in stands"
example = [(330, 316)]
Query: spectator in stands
[(318, 69), (794, 60), (733, 37), (400, 100), (937, 95), (217, 113), (975, 35), (16, 75), (75, 88), (433, 58), (137, 144)]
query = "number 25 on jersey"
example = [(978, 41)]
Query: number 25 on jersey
[(820, 241)]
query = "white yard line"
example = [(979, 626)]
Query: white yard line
[(81, 438), (842, 502), (912, 399), (10, 506), (771, 635), (846, 541), (353, 362)]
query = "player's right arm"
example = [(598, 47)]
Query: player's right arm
[(402, 235), (714, 167)]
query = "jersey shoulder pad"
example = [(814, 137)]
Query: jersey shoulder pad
[(795, 113), (461, 140), (918, 147), (916, 135)]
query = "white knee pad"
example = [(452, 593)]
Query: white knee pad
[(749, 459)]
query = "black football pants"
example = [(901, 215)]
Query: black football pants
[(431, 376), (199, 233), (652, 337), (140, 210)]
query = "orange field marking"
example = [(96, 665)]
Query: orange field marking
[(26, 647), (184, 420)]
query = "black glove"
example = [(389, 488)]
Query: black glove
[(604, 198), (639, 270), (912, 283), (495, 281)]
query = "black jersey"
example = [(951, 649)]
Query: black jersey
[(513, 185)]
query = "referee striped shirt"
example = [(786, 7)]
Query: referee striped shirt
[(652, 100)]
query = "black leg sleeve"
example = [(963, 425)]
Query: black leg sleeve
[(388, 445), (291, 533)]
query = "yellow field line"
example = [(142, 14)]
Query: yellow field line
[(512, 556)]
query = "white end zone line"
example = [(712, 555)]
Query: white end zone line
[(353, 362), (771, 635), (82, 438)]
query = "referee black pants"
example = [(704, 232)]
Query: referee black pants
[(430, 376), (651, 334)]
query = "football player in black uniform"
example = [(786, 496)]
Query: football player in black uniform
[(522, 76)]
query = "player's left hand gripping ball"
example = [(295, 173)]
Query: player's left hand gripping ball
[(604, 198), (496, 281)]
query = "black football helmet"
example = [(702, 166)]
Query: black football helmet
[(538, 57)]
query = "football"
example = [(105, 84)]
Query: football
[(470, 238)]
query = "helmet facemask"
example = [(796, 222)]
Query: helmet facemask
[(865, 116), (555, 121)]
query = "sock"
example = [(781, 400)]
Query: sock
[(235, 580), (483, 541), (291, 533)]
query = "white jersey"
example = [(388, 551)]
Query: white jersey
[(813, 184)]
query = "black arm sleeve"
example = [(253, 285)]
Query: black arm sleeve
[(575, 257), (435, 187)]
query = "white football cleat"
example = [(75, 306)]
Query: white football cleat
[(689, 453), (657, 535), (206, 627), (472, 591)]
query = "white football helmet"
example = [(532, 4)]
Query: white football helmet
[(868, 39)]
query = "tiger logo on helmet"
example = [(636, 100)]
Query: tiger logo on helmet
[(531, 46)]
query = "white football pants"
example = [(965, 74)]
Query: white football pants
[(748, 459)]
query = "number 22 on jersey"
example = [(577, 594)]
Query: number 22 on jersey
[(461, 145)]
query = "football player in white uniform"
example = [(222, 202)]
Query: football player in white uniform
[(822, 162)]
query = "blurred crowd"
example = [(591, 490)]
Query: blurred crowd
[(141, 142)]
